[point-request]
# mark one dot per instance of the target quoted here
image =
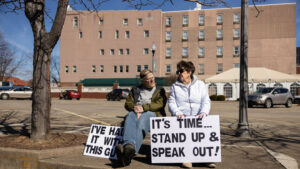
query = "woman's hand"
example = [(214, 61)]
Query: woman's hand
[(200, 116)]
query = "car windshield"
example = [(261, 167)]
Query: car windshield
[(264, 90)]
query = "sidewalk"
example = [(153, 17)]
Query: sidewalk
[(237, 153)]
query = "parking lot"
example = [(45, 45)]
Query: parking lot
[(277, 128), (87, 111)]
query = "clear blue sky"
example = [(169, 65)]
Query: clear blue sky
[(17, 31)]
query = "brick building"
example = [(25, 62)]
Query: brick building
[(118, 44)]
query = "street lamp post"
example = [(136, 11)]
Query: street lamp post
[(243, 126), (153, 60)]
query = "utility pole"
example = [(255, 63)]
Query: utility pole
[(243, 126)]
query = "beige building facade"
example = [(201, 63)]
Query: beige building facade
[(118, 44)]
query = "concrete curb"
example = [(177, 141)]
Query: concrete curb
[(21, 158)]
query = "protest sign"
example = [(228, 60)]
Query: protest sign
[(188, 139), (102, 140)]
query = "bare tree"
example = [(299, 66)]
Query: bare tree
[(55, 70), (8, 62)]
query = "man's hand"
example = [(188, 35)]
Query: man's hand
[(138, 110)]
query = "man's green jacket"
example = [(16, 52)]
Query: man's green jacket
[(158, 101)]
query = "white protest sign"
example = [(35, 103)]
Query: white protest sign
[(188, 139), (102, 140)]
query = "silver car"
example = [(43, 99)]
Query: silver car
[(271, 96), (20, 93)]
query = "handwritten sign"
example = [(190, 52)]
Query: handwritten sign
[(188, 139), (102, 140)]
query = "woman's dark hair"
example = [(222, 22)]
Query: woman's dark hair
[(188, 66)]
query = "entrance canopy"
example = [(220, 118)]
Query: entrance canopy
[(255, 74)]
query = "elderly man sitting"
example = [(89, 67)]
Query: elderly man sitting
[(144, 101)]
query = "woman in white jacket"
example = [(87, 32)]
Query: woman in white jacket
[(189, 97)]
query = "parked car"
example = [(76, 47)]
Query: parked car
[(297, 99), (5, 85), (18, 93), (271, 96), (70, 94), (117, 94)]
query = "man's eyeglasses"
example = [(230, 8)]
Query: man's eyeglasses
[(151, 79), (180, 71)]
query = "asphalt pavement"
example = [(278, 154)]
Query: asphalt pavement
[(274, 144)]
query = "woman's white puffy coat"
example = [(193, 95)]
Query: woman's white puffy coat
[(191, 100)]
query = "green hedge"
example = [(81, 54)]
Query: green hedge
[(217, 97)]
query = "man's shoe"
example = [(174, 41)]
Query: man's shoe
[(119, 151), (187, 165), (211, 165), (129, 153)]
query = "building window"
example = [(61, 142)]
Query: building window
[(201, 52), (228, 90), (146, 33), (201, 69), (260, 86), (121, 68), (140, 22), (127, 34), (117, 34), (294, 89), (168, 36), (278, 84), (201, 35), (236, 18), (219, 34), (184, 52), (93, 68), (115, 68), (201, 20), (168, 21), (219, 51), (236, 65), (100, 34), (75, 22), (185, 35), (121, 52), (112, 51), (80, 35), (185, 20), (125, 22), (101, 68), (127, 51), (236, 33), (146, 67), (74, 69), (212, 89), (146, 51), (101, 51), (168, 52), (219, 19), (236, 51), (127, 68), (66, 69), (138, 68), (219, 68), (168, 68), (100, 21)]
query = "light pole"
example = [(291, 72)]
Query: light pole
[(243, 126), (153, 60)]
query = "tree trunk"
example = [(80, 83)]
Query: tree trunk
[(43, 45)]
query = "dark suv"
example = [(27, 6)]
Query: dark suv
[(117, 94)]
